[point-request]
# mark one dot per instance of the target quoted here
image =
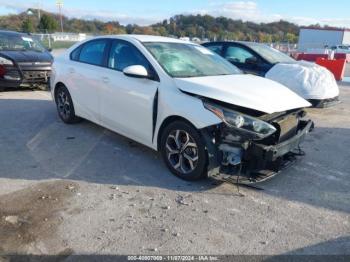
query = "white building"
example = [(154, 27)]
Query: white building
[(312, 38), (196, 40), (185, 38), (69, 37)]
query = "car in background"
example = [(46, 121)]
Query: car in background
[(23, 61), (340, 49), (312, 82), (179, 98)]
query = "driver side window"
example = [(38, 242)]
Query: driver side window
[(123, 54), (215, 48), (236, 54)]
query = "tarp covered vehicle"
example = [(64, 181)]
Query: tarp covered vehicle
[(310, 81)]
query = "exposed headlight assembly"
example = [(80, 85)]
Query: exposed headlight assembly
[(236, 120), (4, 61)]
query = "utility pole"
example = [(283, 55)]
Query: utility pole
[(39, 10), (59, 3)]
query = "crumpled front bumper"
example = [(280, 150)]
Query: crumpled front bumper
[(272, 153), (259, 161), (29, 76)]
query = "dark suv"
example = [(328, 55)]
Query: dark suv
[(23, 61)]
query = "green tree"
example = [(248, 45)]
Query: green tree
[(291, 38), (162, 31), (48, 23), (27, 26)]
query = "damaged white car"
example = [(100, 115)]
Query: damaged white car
[(183, 100)]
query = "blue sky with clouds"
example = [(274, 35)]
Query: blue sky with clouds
[(303, 12)]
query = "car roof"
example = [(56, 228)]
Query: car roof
[(147, 38), (11, 33), (246, 43)]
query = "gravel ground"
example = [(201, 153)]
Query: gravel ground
[(81, 189)]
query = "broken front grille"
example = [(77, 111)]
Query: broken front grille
[(286, 124), (36, 75), (287, 127)]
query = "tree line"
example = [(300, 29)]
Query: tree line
[(200, 26)]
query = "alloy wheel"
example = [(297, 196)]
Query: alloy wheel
[(63, 104), (182, 151)]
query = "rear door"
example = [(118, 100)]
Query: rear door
[(85, 79)]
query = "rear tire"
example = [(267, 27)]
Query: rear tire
[(183, 151), (65, 107)]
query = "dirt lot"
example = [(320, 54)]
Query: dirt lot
[(81, 189)]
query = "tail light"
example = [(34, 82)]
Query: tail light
[(5, 63), (2, 71)]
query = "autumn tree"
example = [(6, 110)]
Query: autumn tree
[(113, 30), (48, 23)]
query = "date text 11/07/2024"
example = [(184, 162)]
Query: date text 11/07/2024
[(173, 258)]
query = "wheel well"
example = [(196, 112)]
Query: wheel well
[(56, 87), (166, 122)]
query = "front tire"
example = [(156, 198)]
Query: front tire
[(183, 151), (65, 107)]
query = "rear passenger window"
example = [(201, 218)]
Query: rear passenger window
[(215, 48), (93, 52)]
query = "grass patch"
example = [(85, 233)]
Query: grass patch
[(58, 44)]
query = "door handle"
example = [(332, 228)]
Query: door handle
[(71, 70), (105, 79)]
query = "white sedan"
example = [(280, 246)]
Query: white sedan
[(183, 100)]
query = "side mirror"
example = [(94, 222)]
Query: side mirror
[(137, 71), (49, 50), (252, 60)]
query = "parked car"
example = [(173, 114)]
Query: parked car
[(310, 81), (183, 100), (23, 61), (340, 49)]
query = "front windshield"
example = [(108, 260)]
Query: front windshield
[(270, 54), (189, 60), (19, 43)]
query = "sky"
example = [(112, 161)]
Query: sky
[(302, 12)]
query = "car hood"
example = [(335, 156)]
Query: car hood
[(27, 56), (244, 90)]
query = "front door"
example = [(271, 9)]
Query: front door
[(128, 102), (245, 60)]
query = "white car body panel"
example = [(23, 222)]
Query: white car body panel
[(126, 105), (244, 90)]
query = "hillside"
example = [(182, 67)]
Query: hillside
[(201, 26)]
